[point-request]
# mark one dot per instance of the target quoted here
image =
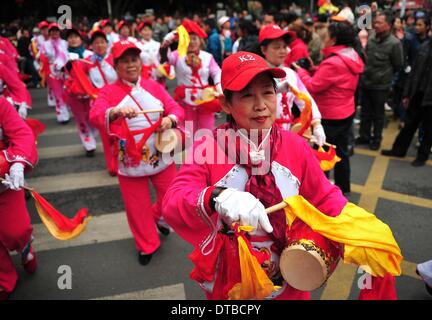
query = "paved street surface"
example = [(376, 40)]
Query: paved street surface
[(103, 259)]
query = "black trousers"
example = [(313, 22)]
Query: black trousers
[(416, 115), (338, 133), (372, 114)]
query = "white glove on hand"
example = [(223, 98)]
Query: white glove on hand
[(169, 38), (282, 86), (234, 205), (15, 179), (22, 110), (318, 135)]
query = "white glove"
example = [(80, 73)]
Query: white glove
[(170, 38), (234, 205), (318, 135), (282, 86), (15, 179), (22, 110)]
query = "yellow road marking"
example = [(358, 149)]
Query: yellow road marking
[(370, 153), (339, 285)]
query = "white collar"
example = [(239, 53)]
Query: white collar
[(131, 84)]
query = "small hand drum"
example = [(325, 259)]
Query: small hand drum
[(309, 258), (167, 140)]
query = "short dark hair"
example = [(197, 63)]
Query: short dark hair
[(343, 32), (388, 15), (211, 23), (425, 19)]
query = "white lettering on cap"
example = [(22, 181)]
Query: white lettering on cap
[(246, 57)]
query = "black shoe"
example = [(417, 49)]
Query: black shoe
[(163, 230), (361, 140), (418, 163), (90, 153), (144, 259), (64, 122), (391, 153), (374, 145)]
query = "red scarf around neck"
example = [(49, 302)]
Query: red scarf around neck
[(261, 182)]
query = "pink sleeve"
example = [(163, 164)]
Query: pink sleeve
[(99, 109), (16, 88), (184, 207), (315, 187), (321, 80), (173, 57), (215, 71), (21, 141)]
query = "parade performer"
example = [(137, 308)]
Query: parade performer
[(76, 98), (273, 44), (121, 110), (217, 201), (14, 90), (124, 32), (112, 36), (17, 154), (42, 61), (56, 52), (99, 67), (333, 86), (193, 67), (150, 55)]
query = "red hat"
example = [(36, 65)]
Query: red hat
[(54, 26), (193, 27), (121, 24), (273, 31), (105, 23), (43, 24), (144, 24), (73, 30), (122, 46), (240, 68), (97, 33)]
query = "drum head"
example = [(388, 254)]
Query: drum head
[(301, 269), (166, 141)]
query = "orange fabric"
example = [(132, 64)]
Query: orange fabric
[(57, 224), (327, 159), (255, 284), (306, 114)]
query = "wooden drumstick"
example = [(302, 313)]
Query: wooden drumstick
[(150, 111), (276, 207), (24, 187), (325, 143)]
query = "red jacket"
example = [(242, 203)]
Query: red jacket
[(299, 50), (335, 81)]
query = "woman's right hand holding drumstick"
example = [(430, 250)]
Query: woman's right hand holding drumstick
[(125, 112), (242, 207)]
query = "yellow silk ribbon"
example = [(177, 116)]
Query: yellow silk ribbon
[(368, 242), (183, 42)]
